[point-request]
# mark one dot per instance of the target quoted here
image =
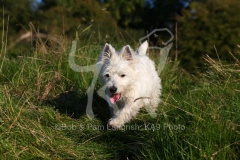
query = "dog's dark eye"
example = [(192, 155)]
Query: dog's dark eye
[(123, 75), (106, 75)]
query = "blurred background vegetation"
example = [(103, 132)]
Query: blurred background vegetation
[(200, 26)]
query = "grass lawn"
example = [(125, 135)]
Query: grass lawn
[(43, 102)]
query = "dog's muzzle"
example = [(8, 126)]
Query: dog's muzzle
[(114, 97), (113, 89)]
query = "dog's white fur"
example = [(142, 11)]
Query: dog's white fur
[(131, 81)]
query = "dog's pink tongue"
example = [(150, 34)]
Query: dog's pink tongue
[(114, 98)]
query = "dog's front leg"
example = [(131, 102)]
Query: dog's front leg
[(129, 111)]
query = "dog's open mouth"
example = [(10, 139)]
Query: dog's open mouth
[(115, 97)]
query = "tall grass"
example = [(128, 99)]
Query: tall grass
[(43, 102)]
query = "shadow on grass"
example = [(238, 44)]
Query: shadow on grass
[(126, 143), (73, 104)]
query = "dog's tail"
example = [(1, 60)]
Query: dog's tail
[(143, 48)]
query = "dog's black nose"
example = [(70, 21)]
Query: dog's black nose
[(113, 89)]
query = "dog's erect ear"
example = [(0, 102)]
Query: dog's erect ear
[(143, 48), (127, 53), (106, 53)]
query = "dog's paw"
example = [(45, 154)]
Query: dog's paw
[(114, 123)]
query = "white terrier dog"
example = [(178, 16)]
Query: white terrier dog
[(131, 82)]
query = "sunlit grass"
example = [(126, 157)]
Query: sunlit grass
[(43, 115)]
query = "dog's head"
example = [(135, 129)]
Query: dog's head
[(118, 70)]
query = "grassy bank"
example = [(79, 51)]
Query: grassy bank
[(43, 103)]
